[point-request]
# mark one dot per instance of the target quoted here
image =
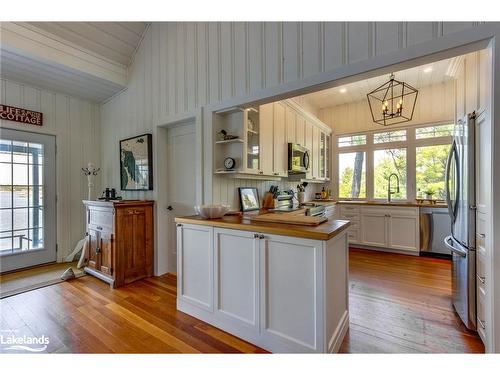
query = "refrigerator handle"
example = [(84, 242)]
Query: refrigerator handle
[(448, 241), (451, 209), (452, 155)]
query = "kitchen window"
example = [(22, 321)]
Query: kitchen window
[(417, 155), (352, 175), (386, 137), (352, 140), (385, 163), (434, 131)]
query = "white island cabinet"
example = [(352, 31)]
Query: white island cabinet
[(284, 293)]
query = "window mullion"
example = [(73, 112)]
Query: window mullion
[(411, 172), (369, 167)]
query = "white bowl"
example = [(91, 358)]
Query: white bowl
[(212, 211)]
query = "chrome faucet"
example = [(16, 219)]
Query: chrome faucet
[(389, 191)]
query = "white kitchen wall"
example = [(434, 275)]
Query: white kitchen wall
[(435, 104), (75, 123), (182, 66)]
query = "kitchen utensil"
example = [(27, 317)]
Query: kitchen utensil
[(212, 211)]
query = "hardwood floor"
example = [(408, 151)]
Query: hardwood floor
[(402, 304), (398, 304)]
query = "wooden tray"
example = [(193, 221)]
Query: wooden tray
[(290, 219)]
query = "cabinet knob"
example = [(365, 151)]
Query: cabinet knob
[(179, 225), (261, 172), (255, 235), (481, 235), (170, 208), (99, 227), (262, 236)]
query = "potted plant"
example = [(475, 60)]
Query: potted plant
[(429, 193)]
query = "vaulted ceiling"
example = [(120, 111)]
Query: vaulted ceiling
[(116, 41), (84, 59)]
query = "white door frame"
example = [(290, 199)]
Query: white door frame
[(161, 263), (48, 253), (447, 46)]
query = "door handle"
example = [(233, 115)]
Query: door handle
[(448, 241), (170, 208)]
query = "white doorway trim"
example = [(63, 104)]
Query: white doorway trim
[(161, 261)]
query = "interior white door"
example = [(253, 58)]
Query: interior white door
[(181, 180), (27, 199)]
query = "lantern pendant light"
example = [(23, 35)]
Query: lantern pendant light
[(393, 102)]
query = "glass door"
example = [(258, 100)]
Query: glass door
[(27, 199), (253, 139)]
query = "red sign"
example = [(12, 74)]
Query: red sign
[(25, 116)]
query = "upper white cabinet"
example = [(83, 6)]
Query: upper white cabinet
[(308, 143), (266, 139), (291, 125), (300, 128), (263, 134), (316, 134), (280, 149)]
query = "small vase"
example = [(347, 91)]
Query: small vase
[(428, 196)]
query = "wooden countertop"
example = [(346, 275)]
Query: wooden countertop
[(322, 232), (397, 204)]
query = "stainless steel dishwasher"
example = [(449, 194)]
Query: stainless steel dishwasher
[(435, 225)]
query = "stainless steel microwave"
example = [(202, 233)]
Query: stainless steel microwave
[(298, 158)]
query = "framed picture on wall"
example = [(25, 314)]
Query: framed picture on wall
[(136, 163)]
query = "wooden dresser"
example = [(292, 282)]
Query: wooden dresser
[(120, 238)]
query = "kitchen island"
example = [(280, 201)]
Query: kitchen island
[(279, 286)]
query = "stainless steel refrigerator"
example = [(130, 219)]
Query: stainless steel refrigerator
[(461, 200)]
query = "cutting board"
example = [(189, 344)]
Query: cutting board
[(289, 219)]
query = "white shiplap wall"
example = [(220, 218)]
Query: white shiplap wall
[(182, 66), (435, 104), (75, 123)]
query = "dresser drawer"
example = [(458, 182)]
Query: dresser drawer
[(101, 220)]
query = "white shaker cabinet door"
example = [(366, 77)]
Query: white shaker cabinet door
[(291, 280), (195, 265), (403, 231), (280, 149), (266, 137), (237, 276), (374, 228)]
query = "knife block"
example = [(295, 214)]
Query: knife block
[(268, 201)]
